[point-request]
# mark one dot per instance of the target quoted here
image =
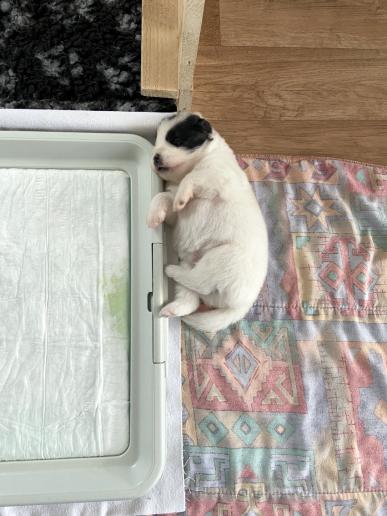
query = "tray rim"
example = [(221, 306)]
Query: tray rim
[(136, 470)]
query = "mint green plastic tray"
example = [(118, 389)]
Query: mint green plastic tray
[(133, 473)]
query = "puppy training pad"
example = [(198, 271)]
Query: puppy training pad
[(64, 283)]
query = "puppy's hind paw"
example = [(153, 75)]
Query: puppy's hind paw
[(172, 271), (176, 309), (167, 311)]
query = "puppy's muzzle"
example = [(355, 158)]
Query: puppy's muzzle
[(158, 163)]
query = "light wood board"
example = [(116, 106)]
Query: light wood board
[(170, 38), (160, 47)]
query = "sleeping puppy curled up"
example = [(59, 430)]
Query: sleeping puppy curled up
[(219, 232)]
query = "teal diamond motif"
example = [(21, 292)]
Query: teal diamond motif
[(280, 429), (213, 429), (246, 429), (332, 276)]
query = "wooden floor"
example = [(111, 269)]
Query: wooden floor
[(296, 77)]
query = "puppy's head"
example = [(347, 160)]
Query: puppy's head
[(180, 144)]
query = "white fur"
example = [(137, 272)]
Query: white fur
[(219, 232)]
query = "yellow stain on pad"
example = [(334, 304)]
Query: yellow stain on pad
[(117, 300)]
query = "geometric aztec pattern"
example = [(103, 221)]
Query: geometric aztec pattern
[(285, 412)]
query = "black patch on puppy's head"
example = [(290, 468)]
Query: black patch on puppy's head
[(190, 133)]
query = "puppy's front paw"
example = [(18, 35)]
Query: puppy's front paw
[(155, 218), (182, 199)]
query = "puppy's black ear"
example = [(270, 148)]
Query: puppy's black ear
[(205, 126), (192, 132)]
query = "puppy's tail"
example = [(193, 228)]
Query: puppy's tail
[(215, 320)]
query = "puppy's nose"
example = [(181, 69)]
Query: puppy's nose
[(157, 160)]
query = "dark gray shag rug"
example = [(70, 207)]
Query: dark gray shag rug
[(73, 54)]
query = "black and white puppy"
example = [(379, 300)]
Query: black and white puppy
[(219, 232)]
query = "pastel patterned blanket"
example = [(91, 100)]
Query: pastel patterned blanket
[(285, 413)]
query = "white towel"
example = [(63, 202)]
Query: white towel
[(168, 495)]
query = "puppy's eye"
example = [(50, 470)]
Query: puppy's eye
[(177, 142)]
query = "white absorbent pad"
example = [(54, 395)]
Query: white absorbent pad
[(64, 289)]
